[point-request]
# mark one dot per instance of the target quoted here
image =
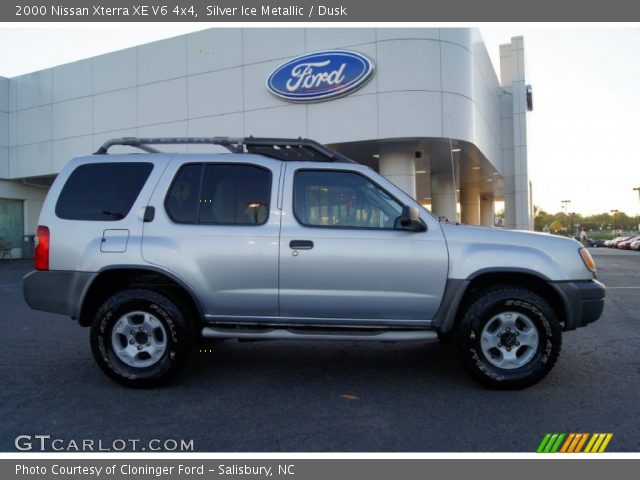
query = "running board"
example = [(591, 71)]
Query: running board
[(294, 334)]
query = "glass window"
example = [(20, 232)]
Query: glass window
[(326, 198), (220, 194), (182, 200), (11, 226), (102, 191)]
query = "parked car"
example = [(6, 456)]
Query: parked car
[(287, 239), (598, 243), (613, 243), (635, 245), (626, 244)]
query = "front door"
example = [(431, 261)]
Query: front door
[(343, 257)]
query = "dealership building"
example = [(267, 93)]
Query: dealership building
[(430, 113)]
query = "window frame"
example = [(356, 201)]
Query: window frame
[(340, 227), (203, 166)]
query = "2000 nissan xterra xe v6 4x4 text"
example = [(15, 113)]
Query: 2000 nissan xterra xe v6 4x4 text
[(287, 239)]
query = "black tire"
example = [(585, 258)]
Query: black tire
[(176, 333), (482, 322)]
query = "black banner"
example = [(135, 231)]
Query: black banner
[(318, 11), (316, 469)]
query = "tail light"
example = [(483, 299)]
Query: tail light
[(42, 248)]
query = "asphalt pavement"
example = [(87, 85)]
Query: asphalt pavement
[(313, 396)]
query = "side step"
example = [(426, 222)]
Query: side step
[(321, 334)]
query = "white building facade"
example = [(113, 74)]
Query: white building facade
[(434, 117)]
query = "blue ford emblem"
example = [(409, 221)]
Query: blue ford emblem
[(320, 76)]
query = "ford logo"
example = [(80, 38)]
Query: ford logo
[(318, 76)]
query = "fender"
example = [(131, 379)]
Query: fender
[(145, 268)]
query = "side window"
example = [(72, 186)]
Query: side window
[(102, 191), (326, 198), (220, 194), (183, 199)]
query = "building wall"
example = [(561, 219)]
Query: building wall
[(429, 83)]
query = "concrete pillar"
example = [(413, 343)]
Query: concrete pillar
[(517, 189), (443, 195), (400, 169), (470, 205), (487, 210)]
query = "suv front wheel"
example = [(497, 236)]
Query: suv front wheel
[(141, 338), (509, 337)]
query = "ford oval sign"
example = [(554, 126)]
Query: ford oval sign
[(318, 76)]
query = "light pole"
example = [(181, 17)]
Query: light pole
[(564, 207), (614, 219)]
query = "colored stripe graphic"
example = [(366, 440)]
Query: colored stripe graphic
[(598, 442), (574, 442), (551, 443), (543, 443), (604, 445), (565, 447)]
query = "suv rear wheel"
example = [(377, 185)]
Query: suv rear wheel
[(509, 338), (141, 338)]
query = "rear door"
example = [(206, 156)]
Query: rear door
[(342, 257), (216, 227)]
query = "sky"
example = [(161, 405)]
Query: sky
[(584, 130), (583, 133)]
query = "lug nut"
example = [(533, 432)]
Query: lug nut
[(132, 341), (148, 344), (508, 349), (517, 344), (139, 347)]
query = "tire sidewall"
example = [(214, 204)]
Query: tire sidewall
[(178, 344), (511, 300)]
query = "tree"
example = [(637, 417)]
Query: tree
[(556, 226)]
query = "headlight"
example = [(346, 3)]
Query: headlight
[(588, 260)]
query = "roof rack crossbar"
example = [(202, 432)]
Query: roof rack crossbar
[(279, 148), (142, 143)]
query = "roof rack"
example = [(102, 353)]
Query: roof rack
[(285, 149)]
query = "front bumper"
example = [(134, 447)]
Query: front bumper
[(56, 291), (584, 301)]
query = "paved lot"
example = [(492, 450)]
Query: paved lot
[(318, 396)]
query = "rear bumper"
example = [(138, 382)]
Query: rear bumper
[(56, 291), (584, 301)]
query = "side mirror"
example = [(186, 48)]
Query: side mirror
[(410, 219)]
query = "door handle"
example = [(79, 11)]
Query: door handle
[(301, 244)]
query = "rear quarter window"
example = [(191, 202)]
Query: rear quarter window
[(104, 191)]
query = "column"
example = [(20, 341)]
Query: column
[(400, 169), (487, 210), (470, 204), (443, 195)]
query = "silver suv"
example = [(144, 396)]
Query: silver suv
[(287, 239)]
